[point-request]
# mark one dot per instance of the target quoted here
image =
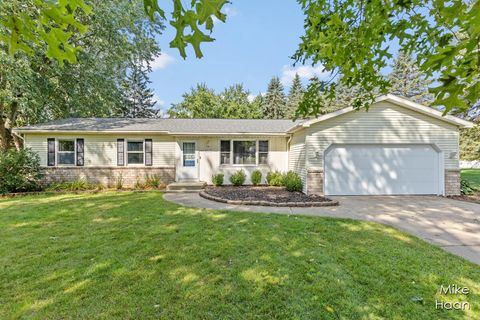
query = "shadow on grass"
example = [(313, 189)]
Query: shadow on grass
[(134, 255)]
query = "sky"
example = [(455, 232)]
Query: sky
[(254, 45)]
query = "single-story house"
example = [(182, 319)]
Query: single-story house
[(397, 147)]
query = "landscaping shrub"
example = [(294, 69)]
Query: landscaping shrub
[(217, 179), (139, 184), (256, 177), (119, 182), (466, 188), (19, 171), (275, 178), (292, 182), (153, 181), (76, 185), (238, 178)]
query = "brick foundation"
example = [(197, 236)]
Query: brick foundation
[(107, 176), (315, 182), (452, 182)]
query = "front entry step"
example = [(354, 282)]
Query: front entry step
[(185, 186)]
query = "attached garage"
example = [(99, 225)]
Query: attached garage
[(379, 169), (396, 147)]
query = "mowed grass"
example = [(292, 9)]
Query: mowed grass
[(472, 176), (136, 256)]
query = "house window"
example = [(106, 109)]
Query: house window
[(189, 154), (225, 152), (66, 152), (263, 152), (135, 152), (244, 152)]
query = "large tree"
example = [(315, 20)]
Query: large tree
[(200, 102), (203, 102), (235, 104), (407, 80), (35, 88), (274, 104), (137, 96), (294, 96), (352, 38)]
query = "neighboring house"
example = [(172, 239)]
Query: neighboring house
[(397, 147)]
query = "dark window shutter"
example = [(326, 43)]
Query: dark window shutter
[(120, 152), (80, 152), (148, 152), (51, 152)]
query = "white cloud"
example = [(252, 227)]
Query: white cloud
[(251, 97), (162, 61), (305, 72)]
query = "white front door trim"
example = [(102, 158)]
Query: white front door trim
[(188, 169)]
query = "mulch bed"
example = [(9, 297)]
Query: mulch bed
[(264, 196)]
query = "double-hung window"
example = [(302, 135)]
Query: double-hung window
[(66, 152), (263, 152), (135, 152), (225, 151)]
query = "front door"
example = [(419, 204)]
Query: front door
[(188, 166)]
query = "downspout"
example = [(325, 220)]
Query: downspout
[(288, 149)]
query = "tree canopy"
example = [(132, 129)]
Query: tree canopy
[(35, 89), (351, 38), (274, 103), (203, 102), (51, 25)]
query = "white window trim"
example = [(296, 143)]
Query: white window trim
[(231, 164), (126, 152), (57, 152)]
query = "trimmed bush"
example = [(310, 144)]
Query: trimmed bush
[(275, 178), (217, 179), (293, 182), (256, 177), (19, 171), (238, 178)]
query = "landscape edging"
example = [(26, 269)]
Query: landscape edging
[(208, 196)]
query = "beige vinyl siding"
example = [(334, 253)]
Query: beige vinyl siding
[(384, 123), (101, 149), (297, 156), (209, 153)]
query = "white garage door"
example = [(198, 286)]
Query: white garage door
[(381, 170)]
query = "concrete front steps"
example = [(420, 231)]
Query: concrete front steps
[(185, 186)]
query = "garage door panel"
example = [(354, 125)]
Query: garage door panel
[(381, 169)]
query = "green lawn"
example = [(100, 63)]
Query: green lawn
[(472, 175), (134, 255)]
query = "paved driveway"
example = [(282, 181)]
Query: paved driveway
[(450, 224)]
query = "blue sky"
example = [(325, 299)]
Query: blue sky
[(253, 45)]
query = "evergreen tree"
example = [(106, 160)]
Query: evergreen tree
[(274, 106), (294, 97), (314, 98), (138, 98), (408, 81)]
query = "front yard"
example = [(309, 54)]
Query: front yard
[(134, 255)]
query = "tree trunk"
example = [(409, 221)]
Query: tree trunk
[(7, 122)]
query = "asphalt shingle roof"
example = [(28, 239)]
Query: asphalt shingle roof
[(173, 126)]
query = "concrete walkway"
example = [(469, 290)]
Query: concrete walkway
[(450, 224)]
